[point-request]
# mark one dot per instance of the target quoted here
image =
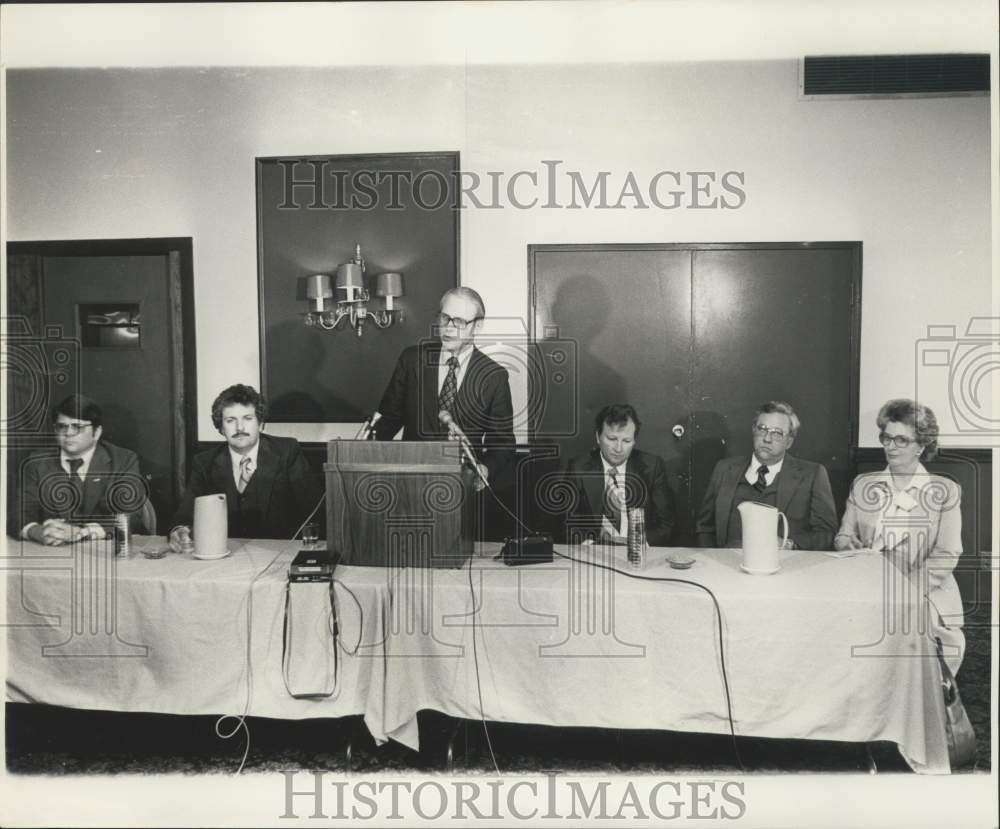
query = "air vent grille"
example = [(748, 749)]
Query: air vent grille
[(896, 75)]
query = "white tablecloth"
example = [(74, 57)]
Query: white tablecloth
[(815, 651)]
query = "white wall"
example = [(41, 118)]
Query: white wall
[(169, 152)]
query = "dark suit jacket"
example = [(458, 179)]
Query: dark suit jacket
[(277, 500), (804, 496), (645, 486), (113, 485), (483, 408)]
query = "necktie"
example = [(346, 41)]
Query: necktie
[(75, 482), (761, 484), (246, 473), (449, 390), (611, 511)]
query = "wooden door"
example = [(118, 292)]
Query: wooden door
[(695, 337), (774, 323), (596, 347), (121, 307)]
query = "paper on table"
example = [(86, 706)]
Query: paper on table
[(863, 551)]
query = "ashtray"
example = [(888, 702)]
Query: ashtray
[(157, 552), (680, 561)]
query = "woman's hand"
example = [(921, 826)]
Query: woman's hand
[(847, 542)]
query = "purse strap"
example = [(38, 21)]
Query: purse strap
[(948, 684)]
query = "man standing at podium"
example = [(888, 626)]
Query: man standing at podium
[(447, 388)]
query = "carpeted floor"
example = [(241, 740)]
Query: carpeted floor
[(49, 740)]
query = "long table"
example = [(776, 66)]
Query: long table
[(826, 648)]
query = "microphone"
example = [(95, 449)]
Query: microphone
[(447, 420), (368, 427)]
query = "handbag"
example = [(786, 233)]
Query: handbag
[(958, 730)]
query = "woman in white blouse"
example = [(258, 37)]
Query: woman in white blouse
[(912, 517)]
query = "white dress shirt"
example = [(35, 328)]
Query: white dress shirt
[(769, 476)]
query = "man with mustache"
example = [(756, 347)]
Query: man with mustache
[(267, 482)]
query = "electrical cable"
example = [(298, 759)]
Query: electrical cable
[(361, 619), (479, 687), (241, 718), (718, 615), (248, 665)]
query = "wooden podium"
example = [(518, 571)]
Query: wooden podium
[(398, 503)]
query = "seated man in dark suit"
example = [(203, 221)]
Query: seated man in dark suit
[(450, 375), (267, 482), (71, 493), (800, 489), (615, 476)]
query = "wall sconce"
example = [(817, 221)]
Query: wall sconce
[(352, 297)]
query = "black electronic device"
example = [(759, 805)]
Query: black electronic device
[(313, 565), (528, 549)]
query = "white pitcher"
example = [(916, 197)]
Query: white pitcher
[(760, 537), (211, 527)]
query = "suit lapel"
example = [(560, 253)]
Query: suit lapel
[(427, 369), (96, 482), (593, 484), (725, 498), (222, 474), (467, 401), (789, 480), (262, 482), (635, 480)]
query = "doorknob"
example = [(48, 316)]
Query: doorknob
[(678, 431)]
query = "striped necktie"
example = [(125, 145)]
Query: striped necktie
[(761, 484), (611, 510)]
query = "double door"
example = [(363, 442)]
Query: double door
[(695, 337)]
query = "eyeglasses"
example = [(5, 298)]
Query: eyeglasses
[(70, 428), (443, 321), (900, 441), (764, 431)]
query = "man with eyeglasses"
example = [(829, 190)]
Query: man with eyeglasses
[(446, 385), (69, 494), (800, 489)]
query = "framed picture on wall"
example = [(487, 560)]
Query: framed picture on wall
[(313, 215)]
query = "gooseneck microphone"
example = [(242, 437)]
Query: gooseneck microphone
[(447, 420)]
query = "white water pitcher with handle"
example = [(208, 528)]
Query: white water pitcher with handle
[(760, 537)]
